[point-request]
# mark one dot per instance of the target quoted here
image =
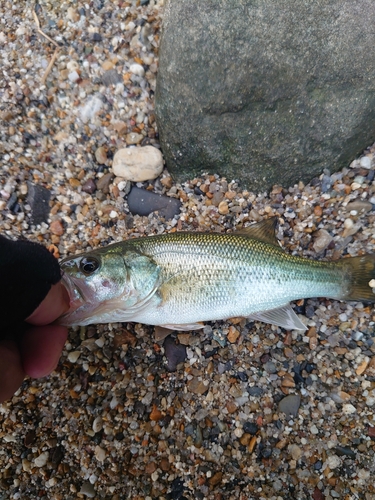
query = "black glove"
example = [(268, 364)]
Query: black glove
[(27, 271)]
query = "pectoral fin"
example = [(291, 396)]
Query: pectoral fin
[(282, 316), (185, 327)]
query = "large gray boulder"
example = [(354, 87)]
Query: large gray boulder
[(265, 91)]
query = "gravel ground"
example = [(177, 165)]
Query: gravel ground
[(240, 411)]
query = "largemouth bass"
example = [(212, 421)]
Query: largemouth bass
[(180, 280)]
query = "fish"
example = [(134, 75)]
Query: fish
[(181, 280)]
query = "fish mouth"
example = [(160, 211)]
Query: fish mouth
[(76, 297)]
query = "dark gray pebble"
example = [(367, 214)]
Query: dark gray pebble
[(290, 405), (344, 451), (111, 77), (175, 353), (143, 202), (255, 391), (270, 367), (38, 198), (250, 428)]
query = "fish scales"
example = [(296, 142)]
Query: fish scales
[(210, 275), (179, 280)]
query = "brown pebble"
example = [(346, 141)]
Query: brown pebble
[(245, 439), (361, 368), (156, 414), (197, 386), (57, 228), (164, 464), (287, 381), (253, 442), (280, 445), (231, 406), (318, 211), (371, 433), (150, 467), (216, 479), (124, 338), (233, 334), (74, 182), (167, 182)]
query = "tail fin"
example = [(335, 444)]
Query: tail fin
[(360, 274)]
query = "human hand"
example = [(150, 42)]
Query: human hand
[(31, 292), (35, 352)]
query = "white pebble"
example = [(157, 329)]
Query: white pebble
[(122, 185), (73, 76), (72, 66), (88, 111), (137, 69), (138, 164), (73, 356), (100, 454), (42, 459), (348, 409), (333, 462), (348, 223), (113, 214), (365, 162)]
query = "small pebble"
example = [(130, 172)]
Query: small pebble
[(137, 69), (365, 162), (100, 454), (88, 490), (290, 405), (38, 198), (322, 240), (73, 356), (89, 186), (57, 228), (133, 138), (348, 409), (102, 184), (42, 459), (175, 353), (101, 155)]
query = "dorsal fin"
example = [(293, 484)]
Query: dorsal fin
[(262, 231)]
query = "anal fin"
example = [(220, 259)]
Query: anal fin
[(282, 316), (184, 327)]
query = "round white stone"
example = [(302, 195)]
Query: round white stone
[(365, 162), (138, 164), (137, 69)]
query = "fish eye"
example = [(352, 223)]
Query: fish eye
[(88, 265)]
